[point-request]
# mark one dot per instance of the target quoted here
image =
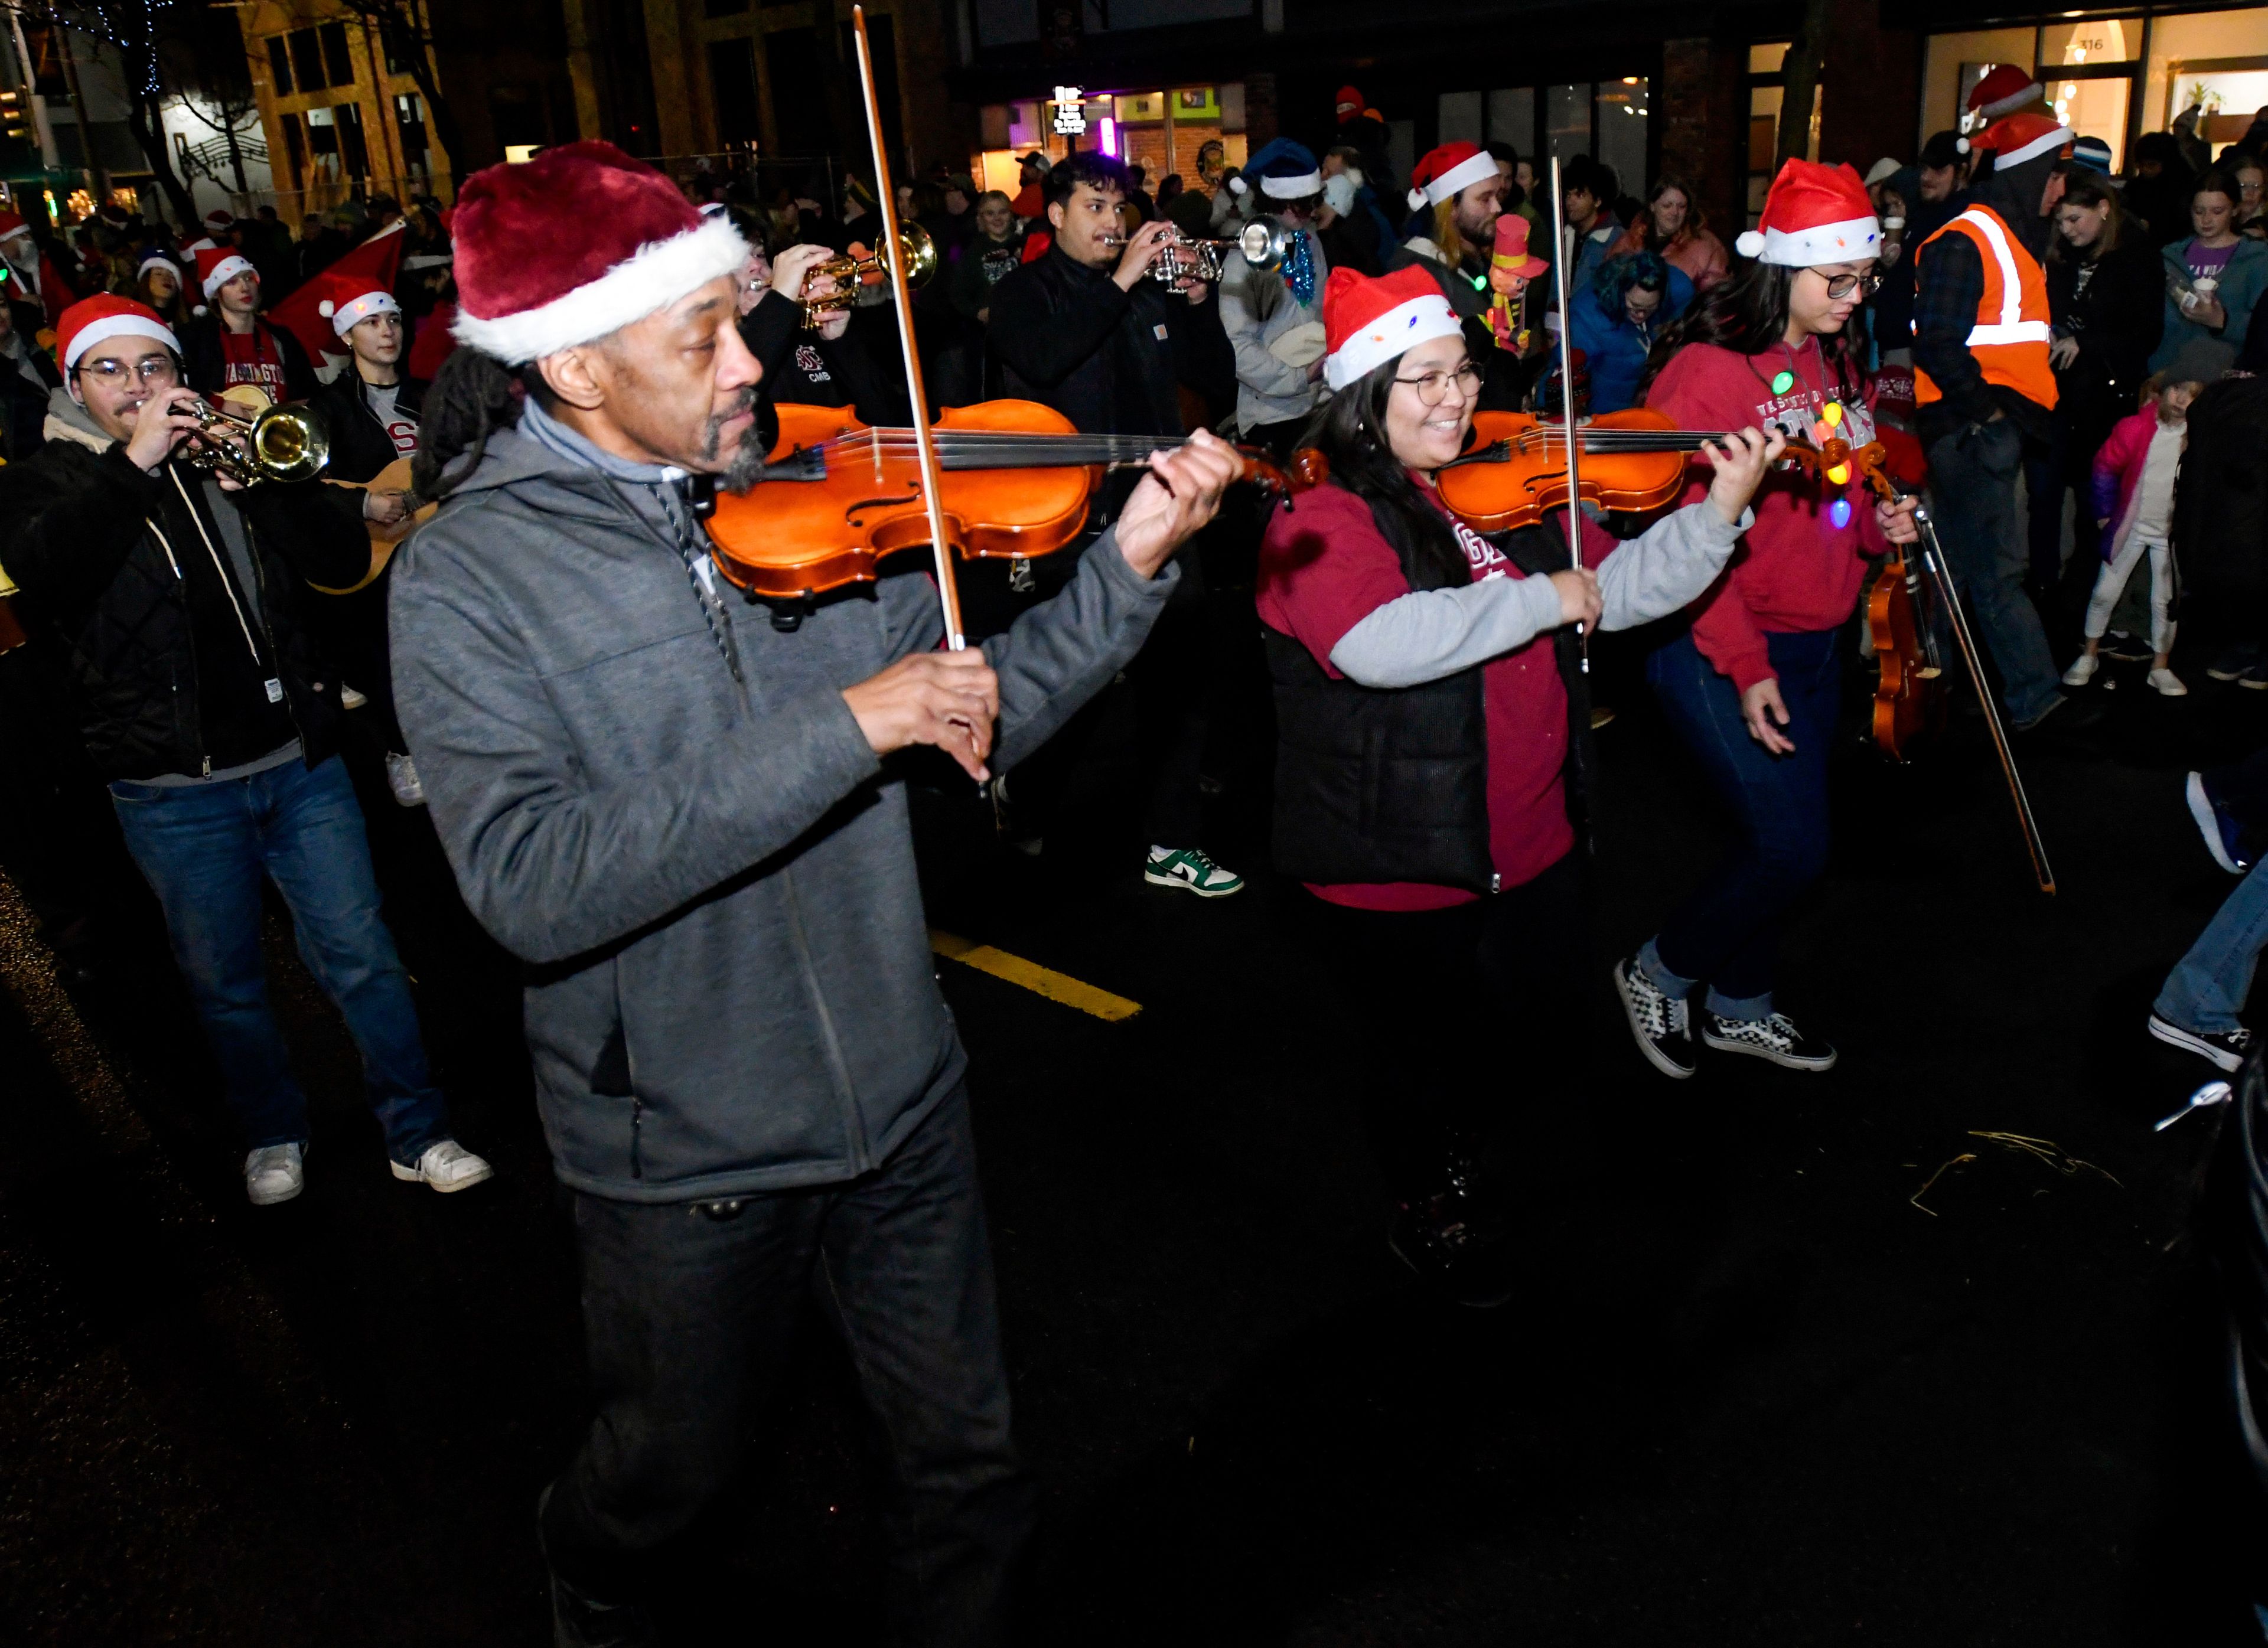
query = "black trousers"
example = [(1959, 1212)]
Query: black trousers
[(1455, 1016), (689, 1310)]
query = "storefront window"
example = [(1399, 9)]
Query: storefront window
[(1625, 113), (2080, 45), (2218, 59), (1567, 122), (1163, 131)]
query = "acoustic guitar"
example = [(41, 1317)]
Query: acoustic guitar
[(383, 539)]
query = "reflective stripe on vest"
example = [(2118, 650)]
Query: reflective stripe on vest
[(2010, 338)]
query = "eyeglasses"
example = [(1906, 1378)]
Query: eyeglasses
[(1432, 387), (1841, 286), (111, 373)]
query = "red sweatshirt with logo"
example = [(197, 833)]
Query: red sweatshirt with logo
[(1795, 570)]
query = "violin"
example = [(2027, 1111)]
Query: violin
[(1517, 471), (1909, 695), (841, 496), (1015, 480)]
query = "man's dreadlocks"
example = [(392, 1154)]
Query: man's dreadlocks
[(472, 397)]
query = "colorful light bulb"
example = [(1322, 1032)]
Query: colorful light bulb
[(1833, 413), (1839, 512), (1785, 382), (1838, 475)]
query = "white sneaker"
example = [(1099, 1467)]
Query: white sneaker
[(2168, 683), (349, 698), (2082, 669), (402, 778), (448, 1165), (1190, 867), (275, 1173)]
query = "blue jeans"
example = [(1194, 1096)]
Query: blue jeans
[(2207, 988), (1972, 480), (691, 1315), (203, 849), (1728, 931)]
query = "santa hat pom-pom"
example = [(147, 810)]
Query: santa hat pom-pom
[(1237, 186), (1961, 145), (326, 309), (201, 311), (1747, 243), (1417, 198)]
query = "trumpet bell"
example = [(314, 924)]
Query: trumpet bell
[(916, 250), (1264, 243), (290, 443)]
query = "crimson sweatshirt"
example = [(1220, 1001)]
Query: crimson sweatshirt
[(1795, 570)]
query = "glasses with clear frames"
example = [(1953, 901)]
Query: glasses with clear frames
[(1432, 387), (155, 369)]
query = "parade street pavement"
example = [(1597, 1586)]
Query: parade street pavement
[(1754, 1390)]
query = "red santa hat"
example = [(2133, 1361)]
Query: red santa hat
[(92, 320), (579, 242), (2022, 138), (1369, 322), (1348, 103), (11, 225), (1446, 170), (1814, 214), (350, 299), (217, 266), (2003, 90), (219, 222)]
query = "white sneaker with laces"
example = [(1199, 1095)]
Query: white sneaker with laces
[(2168, 684), (448, 1165), (2082, 669), (1191, 868), (275, 1173)]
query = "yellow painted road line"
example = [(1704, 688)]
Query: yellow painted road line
[(1031, 976)]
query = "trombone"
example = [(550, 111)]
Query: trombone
[(916, 249), (281, 443)]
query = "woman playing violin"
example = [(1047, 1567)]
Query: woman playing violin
[(1429, 697), (1752, 688)]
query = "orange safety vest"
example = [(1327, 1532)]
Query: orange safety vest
[(2010, 338)]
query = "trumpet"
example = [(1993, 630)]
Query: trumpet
[(281, 443), (850, 273), (1264, 242)]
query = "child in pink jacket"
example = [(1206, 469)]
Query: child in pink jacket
[(2134, 484)]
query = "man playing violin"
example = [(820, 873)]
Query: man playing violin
[(687, 820)]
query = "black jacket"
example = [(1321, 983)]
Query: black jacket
[(1109, 360), (75, 533), (205, 365), (1391, 785), (2220, 511), (2116, 318), (804, 368), (23, 403), (360, 445)]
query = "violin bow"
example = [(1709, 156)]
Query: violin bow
[(1567, 386), (948, 593), (1874, 463)]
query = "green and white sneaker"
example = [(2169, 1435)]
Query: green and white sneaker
[(1193, 869)]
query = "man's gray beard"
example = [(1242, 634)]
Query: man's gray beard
[(748, 465)]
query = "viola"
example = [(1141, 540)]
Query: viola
[(1517, 471), (1903, 697), (1015, 480)]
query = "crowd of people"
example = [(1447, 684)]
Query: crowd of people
[(692, 824)]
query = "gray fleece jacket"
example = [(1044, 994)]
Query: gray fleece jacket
[(713, 880)]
